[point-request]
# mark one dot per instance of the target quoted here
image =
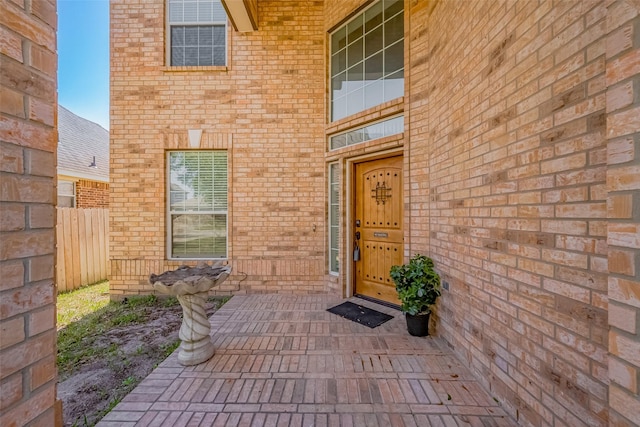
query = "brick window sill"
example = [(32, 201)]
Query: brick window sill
[(218, 68)]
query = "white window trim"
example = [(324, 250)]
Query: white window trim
[(168, 41), (346, 132), (74, 196), (330, 216), (344, 25), (168, 213)]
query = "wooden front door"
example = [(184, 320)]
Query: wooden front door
[(378, 223)]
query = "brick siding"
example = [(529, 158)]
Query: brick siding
[(92, 194), (622, 50), (507, 127), (28, 138), (265, 108), (521, 166)]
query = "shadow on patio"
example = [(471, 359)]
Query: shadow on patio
[(285, 360)]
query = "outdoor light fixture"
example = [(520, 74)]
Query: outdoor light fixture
[(93, 163)]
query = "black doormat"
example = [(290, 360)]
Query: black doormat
[(360, 314)]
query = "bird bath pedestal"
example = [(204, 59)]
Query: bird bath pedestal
[(191, 286)]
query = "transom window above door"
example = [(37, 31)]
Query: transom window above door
[(367, 59), (197, 33)]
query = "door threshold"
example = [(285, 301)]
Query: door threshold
[(377, 301)]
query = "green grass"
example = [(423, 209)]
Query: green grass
[(87, 313), (88, 317), (169, 348), (74, 305), (88, 322)]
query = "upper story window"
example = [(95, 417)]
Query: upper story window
[(367, 59), (197, 33)]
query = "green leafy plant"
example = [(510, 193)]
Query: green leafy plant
[(417, 284)]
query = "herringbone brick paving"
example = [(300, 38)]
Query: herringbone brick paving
[(283, 360)]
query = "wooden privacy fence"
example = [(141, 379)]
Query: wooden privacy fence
[(83, 247)]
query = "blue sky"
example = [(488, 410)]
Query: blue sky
[(83, 58)]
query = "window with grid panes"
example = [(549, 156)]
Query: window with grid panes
[(367, 59), (334, 218), (197, 33), (66, 194), (197, 217)]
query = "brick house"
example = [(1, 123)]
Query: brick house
[(501, 138), (28, 139), (83, 162)]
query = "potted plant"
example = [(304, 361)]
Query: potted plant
[(418, 287)]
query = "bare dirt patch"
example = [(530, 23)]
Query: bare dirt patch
[(104, 355)]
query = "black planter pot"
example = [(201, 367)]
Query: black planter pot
[(418, 325)]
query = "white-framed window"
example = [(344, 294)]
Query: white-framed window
[(334, 218), (380, 129), (367, 59), (66, 194), (197, 33), (197, 204)]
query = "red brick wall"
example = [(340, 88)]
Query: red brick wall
[(92, 194), (27, 216), (622, 48)]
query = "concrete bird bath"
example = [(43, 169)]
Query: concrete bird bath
[(191, 286)]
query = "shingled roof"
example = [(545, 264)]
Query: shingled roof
[(78, 141)]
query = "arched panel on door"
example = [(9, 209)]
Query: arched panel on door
[(379, 211)]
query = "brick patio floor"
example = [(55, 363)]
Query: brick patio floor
[(283, 360)]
